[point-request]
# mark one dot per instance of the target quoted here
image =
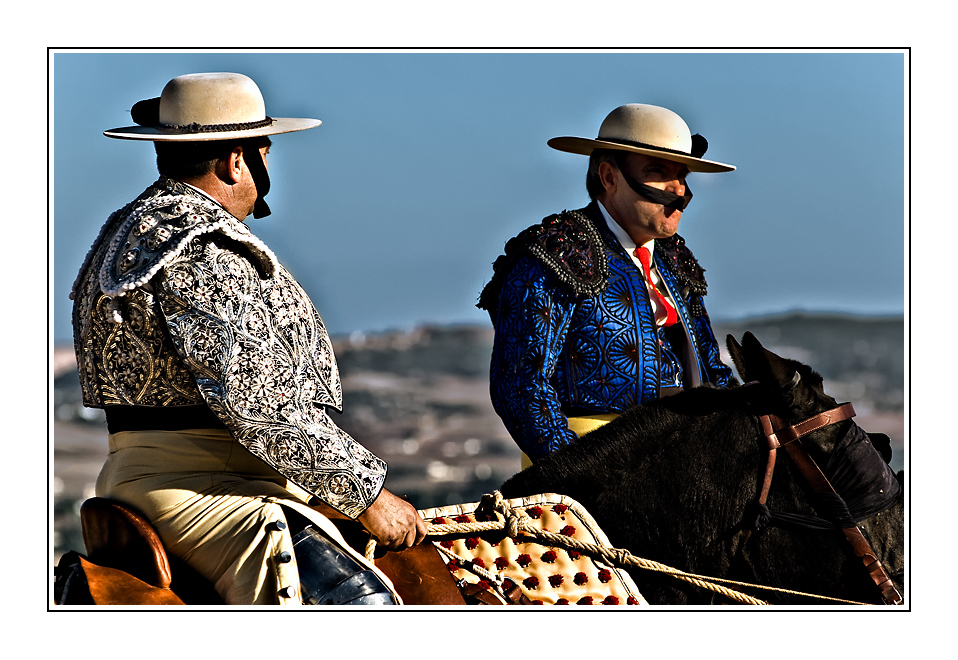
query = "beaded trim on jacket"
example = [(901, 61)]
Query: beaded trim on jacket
[(690, 275), (568, 244), (159, 228), (156, 226)]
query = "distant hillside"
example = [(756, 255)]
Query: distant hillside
[(458, 350), (399, 377), (861, 358)]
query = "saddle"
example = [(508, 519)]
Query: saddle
[(126, 564)]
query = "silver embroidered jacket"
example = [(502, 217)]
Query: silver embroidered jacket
[(178, 304)]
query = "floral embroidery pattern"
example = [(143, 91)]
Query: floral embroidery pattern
[(129, 363), (585, 340), (268, 369), (215, 320)]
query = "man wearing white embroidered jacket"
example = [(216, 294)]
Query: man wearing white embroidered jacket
[(216, 372)]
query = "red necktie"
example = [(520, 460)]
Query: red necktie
[(645, 257)]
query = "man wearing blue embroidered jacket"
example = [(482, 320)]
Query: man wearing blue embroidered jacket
[(600, 309)]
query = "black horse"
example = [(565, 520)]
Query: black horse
[(677, 481)]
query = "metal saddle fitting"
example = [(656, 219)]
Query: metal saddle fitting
[(328, 576)]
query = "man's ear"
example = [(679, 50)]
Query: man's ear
[(607, 175), (230, 167)]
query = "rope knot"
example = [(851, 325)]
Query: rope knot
[(491, 503), (494, 505)]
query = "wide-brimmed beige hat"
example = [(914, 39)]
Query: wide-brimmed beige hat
[(206, 106), (646, 129)]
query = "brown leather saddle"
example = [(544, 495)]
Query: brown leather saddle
[(126, 564)]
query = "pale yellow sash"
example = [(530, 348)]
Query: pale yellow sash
[(580, 426)]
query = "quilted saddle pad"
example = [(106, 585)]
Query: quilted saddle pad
[(546, 575)]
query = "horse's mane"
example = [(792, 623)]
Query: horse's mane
[(637, 439)]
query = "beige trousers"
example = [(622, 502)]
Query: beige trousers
[(215, 506)]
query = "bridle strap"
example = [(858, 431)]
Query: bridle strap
[(781, 434), (778, 434)]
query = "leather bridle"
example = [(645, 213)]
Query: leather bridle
[(779, 434)]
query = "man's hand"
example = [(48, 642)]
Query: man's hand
[(393, 522)]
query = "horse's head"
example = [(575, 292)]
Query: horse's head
[(794, 390), (845, 475)]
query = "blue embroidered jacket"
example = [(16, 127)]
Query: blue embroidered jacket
[(575, 332)]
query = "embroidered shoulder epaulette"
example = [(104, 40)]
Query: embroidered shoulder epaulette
[(690, 275), (158, 228), (570, 247), (683, 263)]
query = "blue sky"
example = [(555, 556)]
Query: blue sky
[(392, 212)]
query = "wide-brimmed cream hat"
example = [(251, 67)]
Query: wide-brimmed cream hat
[(206, 106), (646, 129)]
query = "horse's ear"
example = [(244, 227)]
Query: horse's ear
[(749, 357), (738, 359), (765, 366)]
